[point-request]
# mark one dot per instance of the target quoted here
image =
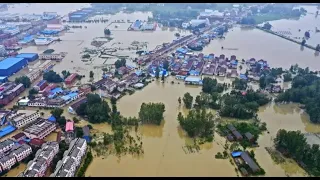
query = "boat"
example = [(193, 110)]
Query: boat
[(195, 48)]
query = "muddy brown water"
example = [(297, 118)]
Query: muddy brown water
[(162, 144)]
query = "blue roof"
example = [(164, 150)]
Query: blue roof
[(236, 153), (8, 62), (7, 130), (87, 138), (76, 16), (52, 118), (243, 76), (26, 55), (69, 96), (138, 72), (194, 72), (137, 23), (56, 90)]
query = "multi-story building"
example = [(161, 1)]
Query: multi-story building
[(34, 74), (40, 129), (6, 145), (72, 159), (39, 165), (8, 91), (21, 152), (23, 117), (6, 162)]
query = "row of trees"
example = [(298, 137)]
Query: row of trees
[(293, 144), (86, 163), (23, 80), (242, 106), (198, 123)]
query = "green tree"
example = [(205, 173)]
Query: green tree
[(120, 63), (151, 113), (23, 80), (239, 84), (107, 32), (166, 65), (52, 77), (187, 100), (57, 112), (179, 100), (65, 74)]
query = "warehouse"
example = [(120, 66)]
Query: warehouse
[(10, 66), (28, 56)]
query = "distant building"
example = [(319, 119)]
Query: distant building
[(70, 79), (6, 145), (22, 152), (23, 117), (8, 91)]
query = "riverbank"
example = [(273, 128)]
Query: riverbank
[(289, 39)]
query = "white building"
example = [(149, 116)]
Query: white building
[(72, 159), (57, 57), (149, 26), (40, 129), (6, 162), (6, 145), (39, 165), (43, 41), (22, 152), (23, 117)]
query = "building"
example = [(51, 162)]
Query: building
[(6, 145), (36, 142), (40, 129), (19, 136), (11, 30), (39, 165), (86, 133), (21, 152), (71, 161), (193, 80), (6, 162), (249, 136), (23, 117), (43, 41), (3, 51), (136, 25), (72, 109), (250, 162), (41, 85), (147, 26), (28, 56), (34, 74), (10, 66), (6, 130), (8, 91), (70, 79), (57, 57)]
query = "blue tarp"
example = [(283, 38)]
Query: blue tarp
[(56, 90), (243, 76), (87, 138), (6, 130), (236, 153), (52, 118), (69, 96), (234, 62)]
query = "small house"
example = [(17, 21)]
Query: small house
[(250, 162), (230, 137), (237, 135), (19, 136), (231, 127), (249, 136)]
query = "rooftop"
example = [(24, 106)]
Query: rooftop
[(39, 127), (8, 62), (26, 55)]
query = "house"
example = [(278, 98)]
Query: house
[(21, 152), (36, 142), (6, 145), (230, 137), (122, 70), (6, 162), (19, 136), (274, 88), (110, 86), (121, 87), (250, 162), (249, 136), (23, 117), (221, 71), (86, 133), (72, 109), (39, 165), (231, 127), (233, 73), (237, 135), (70, 79), (40, 129), (67, 167)]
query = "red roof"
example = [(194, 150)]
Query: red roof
[(18, 136), (21, 142), (69, 126), (36, 142), (71, 77)]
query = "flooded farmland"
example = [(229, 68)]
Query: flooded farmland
[(163, 144)]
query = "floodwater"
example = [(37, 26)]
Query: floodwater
[(162, 144)]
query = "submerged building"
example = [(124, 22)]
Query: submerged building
[(11, 65)]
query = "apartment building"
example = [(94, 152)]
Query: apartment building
[(23, 117), (72, 159), (6, 145), (21, 152), (39, 165), (40, 129), (6, 162)]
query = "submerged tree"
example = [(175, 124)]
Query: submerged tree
[(23, 80), (151, 113), (107, 32), (157, 73), (187, 100)]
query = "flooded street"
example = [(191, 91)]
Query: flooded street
[(163, 144)]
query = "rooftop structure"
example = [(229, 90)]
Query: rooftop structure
[(248, 160), (29, 56), (7, 130), (10, 66), (40, 129), (23, 117)]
